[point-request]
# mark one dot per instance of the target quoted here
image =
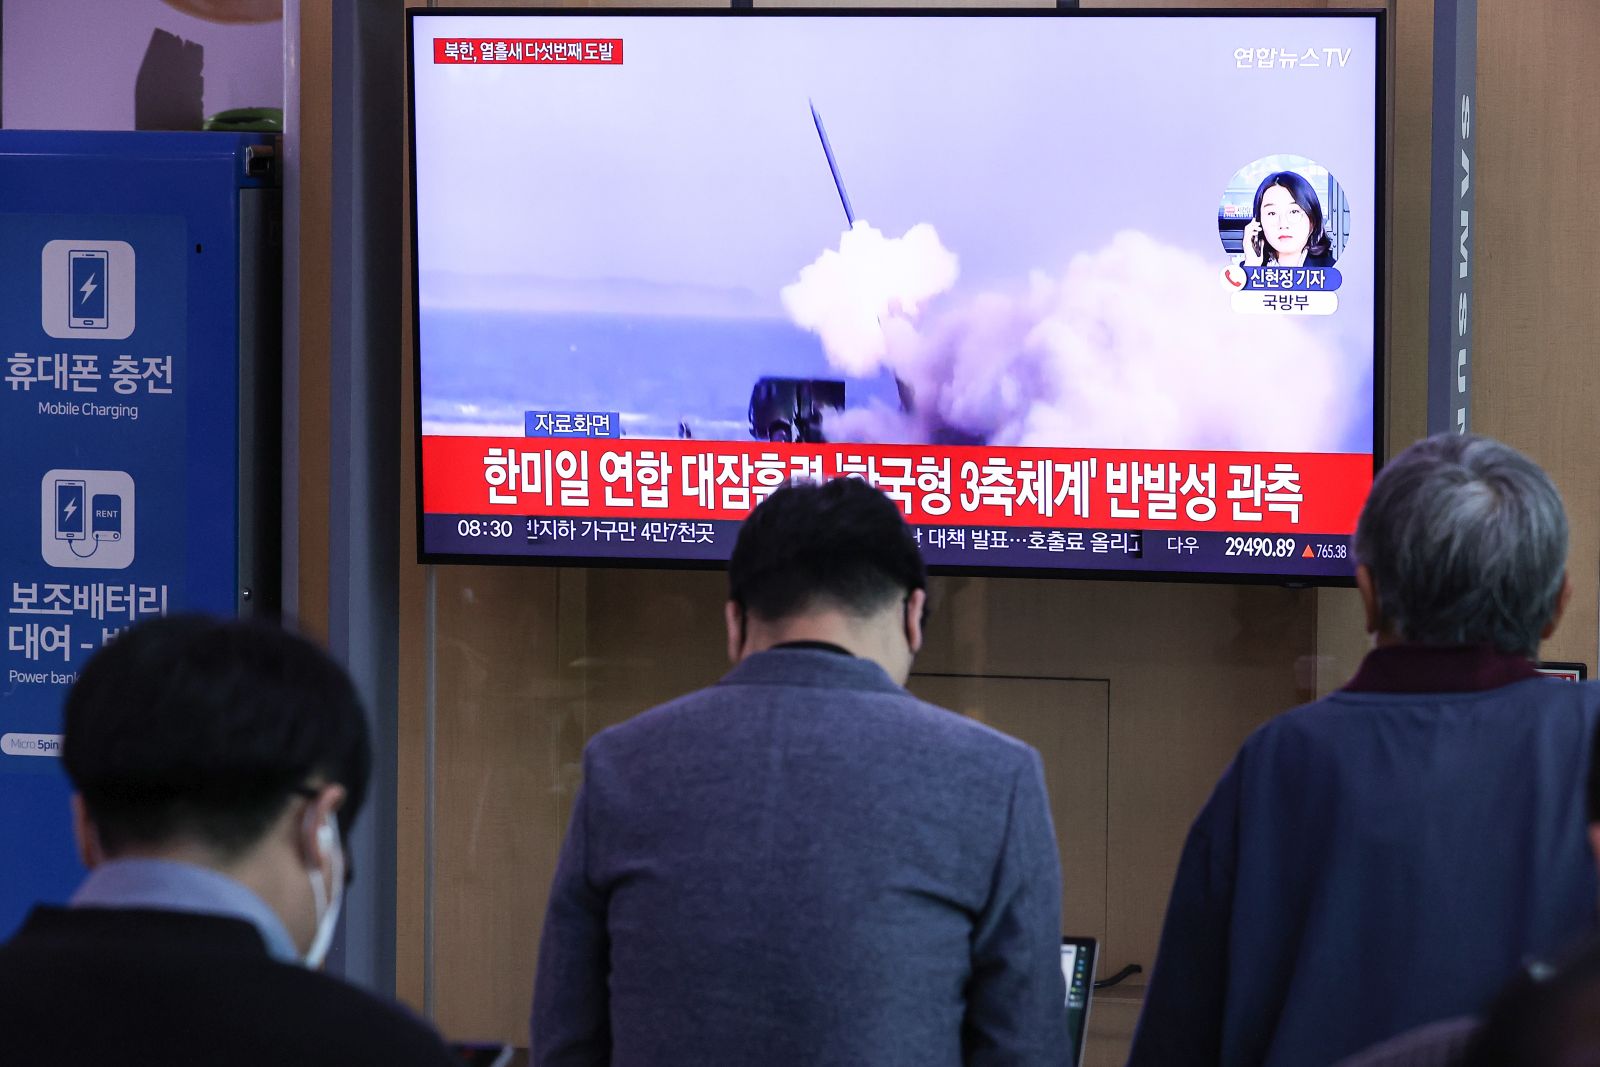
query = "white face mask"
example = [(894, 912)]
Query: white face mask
[(327, 904)]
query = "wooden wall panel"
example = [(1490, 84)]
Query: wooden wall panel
[(1410, 163), (309, 180), (1536, 312), (509, 736), (532, 663)]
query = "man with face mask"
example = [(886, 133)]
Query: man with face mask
[(804, 864), (217, 767)]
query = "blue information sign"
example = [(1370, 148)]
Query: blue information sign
[(119, 423)]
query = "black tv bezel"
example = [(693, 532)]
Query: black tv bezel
[(1379, 20)]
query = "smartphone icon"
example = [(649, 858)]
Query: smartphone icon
[(107, 518), (70, 523), (87, 296)]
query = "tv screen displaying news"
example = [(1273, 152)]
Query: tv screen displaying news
[(1081, 292)]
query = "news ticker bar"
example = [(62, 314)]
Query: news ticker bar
[(1020, 548)]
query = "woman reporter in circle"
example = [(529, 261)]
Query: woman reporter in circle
[(1285, 229)]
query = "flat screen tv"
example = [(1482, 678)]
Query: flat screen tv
[(1084, 292)]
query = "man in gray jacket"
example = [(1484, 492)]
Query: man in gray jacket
[(804, 864)]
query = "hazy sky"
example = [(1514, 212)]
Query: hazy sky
[(1023, 140)]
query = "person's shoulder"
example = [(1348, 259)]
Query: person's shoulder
[(1343, 713), (1303, 733), (198, 1003), (1324, 715), (902, 723), (1563, 707), (638, 729), (961, 731), (1330, 717), (1588, 692), (879, 708), (347, 1016), (1554, 696)]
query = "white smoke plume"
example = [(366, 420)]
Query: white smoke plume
[(844, 294), (1132, 346)]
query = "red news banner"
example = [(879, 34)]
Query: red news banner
[(1102, 489), (552, 50)]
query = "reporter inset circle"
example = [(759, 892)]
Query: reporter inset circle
[(1285, 210)]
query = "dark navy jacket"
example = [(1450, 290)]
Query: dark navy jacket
[(138, 986), (804, 865), (1377, 860)]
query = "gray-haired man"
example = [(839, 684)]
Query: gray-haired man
[(1387, 856)]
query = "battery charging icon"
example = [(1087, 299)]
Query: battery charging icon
[(88, 286), (70, 521)]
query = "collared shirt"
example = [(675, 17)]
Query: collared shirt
[(172, 886), (813, 646), (1408, 668)]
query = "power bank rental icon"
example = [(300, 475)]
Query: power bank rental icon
[(107, 512), (86, 519)]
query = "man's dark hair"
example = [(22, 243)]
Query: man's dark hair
[(196, 727), (841, 542)]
